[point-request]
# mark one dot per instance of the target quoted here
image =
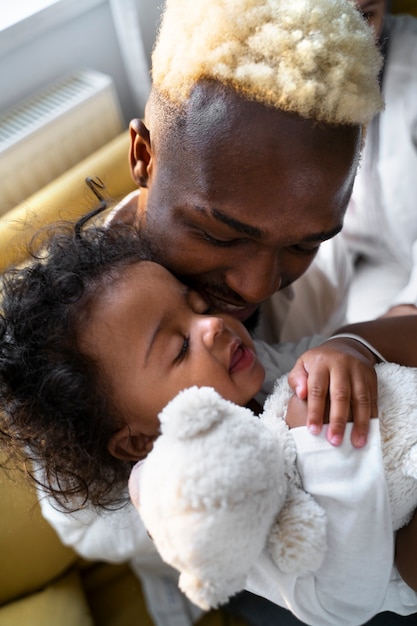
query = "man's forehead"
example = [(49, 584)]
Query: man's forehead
[(216, 113), (212, 116), (215, 116), (212, 101), (220, 110)]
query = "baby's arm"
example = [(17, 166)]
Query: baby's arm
[(406, 539), (350, 485)]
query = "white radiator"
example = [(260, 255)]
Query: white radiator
[(50, 132)]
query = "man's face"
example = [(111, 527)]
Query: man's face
[(240, 196), (373, 12)]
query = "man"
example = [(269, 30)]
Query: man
[(245, 163)]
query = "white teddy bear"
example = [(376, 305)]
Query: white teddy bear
[(221, 485)]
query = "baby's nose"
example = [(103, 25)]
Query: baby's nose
[(210, 327)]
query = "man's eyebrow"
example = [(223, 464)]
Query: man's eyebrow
[(324, 235), (237, 225), (258, 233), (366, 6)]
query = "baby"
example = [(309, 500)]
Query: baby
[(96, 340), (221, 488)]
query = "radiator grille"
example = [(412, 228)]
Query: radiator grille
[(45, 135)]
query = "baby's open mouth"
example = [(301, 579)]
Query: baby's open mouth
[(241, 358)]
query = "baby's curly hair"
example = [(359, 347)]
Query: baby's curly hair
[(56, 414), (316, 58)]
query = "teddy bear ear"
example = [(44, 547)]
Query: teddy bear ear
[(195, 411)]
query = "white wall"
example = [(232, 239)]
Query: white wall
[(65, 39), (150, 12)]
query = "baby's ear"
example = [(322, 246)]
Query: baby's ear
[(127, 447)]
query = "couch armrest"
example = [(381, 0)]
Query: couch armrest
[(65, 198), (31, 552)]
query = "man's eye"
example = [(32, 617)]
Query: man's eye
[(304, 251), (184, 349), (222, 243)]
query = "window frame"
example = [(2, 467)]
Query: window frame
[(41, 21)]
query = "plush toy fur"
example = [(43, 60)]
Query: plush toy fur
[(221, 485)]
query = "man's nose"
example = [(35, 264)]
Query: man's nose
[(256, 279), (209, 328)]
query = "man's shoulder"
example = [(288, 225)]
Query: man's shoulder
[(125, 211)]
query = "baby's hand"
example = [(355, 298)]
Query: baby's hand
[(341, 373)]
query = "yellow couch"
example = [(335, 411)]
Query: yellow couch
[(42, 582), (404, 6)]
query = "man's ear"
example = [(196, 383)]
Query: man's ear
[(127, 447), (140, 154)]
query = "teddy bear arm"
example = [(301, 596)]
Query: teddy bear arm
[(410, 463), (297, 541)]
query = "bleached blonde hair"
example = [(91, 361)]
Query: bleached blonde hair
[(316, 58)]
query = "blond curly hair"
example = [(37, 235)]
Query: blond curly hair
[(316, 58)]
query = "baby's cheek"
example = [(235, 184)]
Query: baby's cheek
[(296, 412)]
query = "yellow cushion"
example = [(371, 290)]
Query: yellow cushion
[(116, 599), (404, 6), (115, 595), (67, 197), (31, 553), (60, 604)]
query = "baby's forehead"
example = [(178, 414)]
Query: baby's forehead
[(160, 276)]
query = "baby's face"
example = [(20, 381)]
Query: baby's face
[(152, 337)]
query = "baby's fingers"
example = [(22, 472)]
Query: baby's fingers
[(298, 378), (340, 410), (364, 407), (317, 401)]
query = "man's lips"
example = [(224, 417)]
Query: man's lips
[(241, 357)]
